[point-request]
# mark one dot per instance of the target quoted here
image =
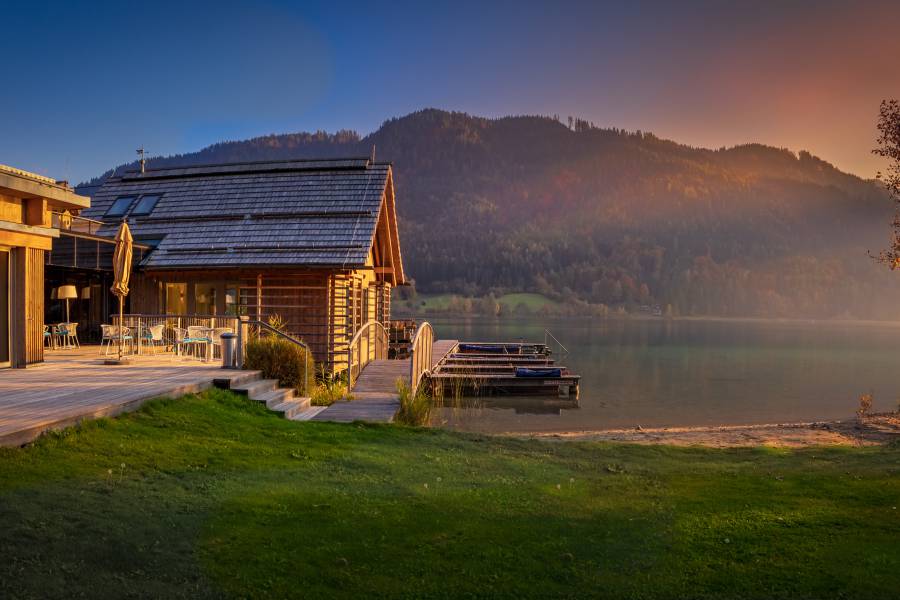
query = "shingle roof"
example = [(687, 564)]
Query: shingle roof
[(280, 213)]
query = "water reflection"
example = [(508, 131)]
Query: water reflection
[(656, 373)]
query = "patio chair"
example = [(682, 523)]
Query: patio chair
[(67, 335), (49, 342), (200, 336), (190, 338), (216, 336), (154, 336), (110, 335)]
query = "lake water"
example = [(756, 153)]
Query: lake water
[(658, 373)]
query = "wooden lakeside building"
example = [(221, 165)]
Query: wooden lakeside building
[(313, 241), (27, 204)]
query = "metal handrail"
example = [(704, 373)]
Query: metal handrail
[(420, 355), (356, 341), (263, 325), (553, 337)]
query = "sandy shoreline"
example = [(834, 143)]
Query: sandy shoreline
[(875, 429)]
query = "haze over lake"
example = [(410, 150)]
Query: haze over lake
[(659, 373)]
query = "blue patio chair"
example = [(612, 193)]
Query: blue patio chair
[(191, 338), (110, 335)]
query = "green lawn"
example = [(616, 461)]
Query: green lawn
[(212, 496), (442, 302), (532, 302)]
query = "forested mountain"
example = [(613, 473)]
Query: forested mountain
[(584, 214)]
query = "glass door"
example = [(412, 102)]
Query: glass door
[(176, 298), (5, 302)]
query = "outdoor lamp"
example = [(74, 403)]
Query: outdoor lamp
[(86, 293), (67, 292)]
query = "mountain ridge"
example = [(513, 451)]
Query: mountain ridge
[(606, 216)]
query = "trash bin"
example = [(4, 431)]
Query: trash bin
[(229, 341)]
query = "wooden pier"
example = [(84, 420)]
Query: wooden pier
[(502, 368)]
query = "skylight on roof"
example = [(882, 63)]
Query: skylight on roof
[(145, 205), (120, 206)]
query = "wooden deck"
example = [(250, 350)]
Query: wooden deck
[(74, 385), (375, 393)]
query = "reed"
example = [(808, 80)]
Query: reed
[(415, 407)]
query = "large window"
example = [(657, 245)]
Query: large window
[(205, 299), (176, 298), (145, 205), (120, 206), (232, 299)]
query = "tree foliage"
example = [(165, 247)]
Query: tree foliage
[(605, 216), (889, 148)]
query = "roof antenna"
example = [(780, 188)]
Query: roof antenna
[(143, 162), (372, 160)]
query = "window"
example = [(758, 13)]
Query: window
[(153, 242), (120, 206), (205, 299), (145, 205), (176, 298)]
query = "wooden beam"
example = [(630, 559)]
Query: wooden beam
[(27, 240)]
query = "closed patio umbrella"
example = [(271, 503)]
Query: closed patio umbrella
[(122, 272)]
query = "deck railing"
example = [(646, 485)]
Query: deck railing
[(68, 222), (370, 343), (143, 322), (420, 355)]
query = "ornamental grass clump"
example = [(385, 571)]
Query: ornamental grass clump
[(282, 360), (329, 389), (415, 408)]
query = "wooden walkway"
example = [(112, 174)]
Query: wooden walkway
[(74, 385), (375, 393)]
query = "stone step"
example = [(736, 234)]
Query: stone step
[(276, 396), (289, 409), (236, 379), (256, 388), (307, 413)]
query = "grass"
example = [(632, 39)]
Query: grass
[(510, 302), (218, 497), (415, 408), (531, 302)]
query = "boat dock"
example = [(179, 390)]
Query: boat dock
[(502, 368)]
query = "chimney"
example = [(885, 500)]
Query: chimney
[(143, 162), (372, 159)]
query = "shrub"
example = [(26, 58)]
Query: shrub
[(865, 405), (329, 389), (415, 409), (282, 360)]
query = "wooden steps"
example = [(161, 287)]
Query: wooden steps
[(277, 399)]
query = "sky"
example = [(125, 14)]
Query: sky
[(87, 83)]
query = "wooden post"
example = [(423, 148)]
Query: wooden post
[(242, 334), (259, 297)]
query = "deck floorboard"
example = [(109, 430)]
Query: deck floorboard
[(74, 385)]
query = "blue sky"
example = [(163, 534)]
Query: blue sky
[(86, 83)]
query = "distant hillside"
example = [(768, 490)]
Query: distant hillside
[(584, 214)]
